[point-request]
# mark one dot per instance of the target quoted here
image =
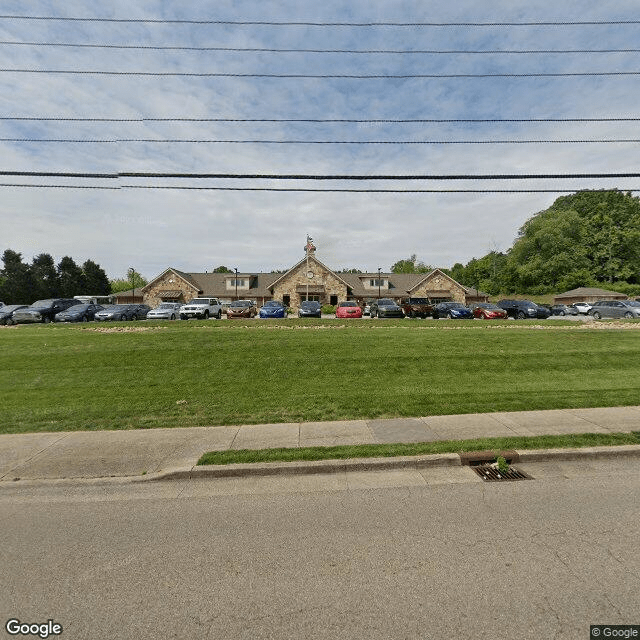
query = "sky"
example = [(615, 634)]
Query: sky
[(198, 228)]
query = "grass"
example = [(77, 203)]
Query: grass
[(344, 452), (66, 378)]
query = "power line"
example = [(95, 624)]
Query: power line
[(313, 142), (323, 120), (403, 76), (308, 176), (298, 50), (292, 189), (272, 23)]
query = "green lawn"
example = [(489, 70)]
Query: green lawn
[(55, 378)]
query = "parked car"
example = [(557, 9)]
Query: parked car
[(487, 310), (582, 307), (6, 311), (348, 309), (366, 311), (42, 310), (201, 308), (386, 308), (118, 312), (79, 313), (165, 311), (522, 309), (241, 309), (417, 307), (615, 309), (564, 310), (310, 309), (273, 309), (451, 310)]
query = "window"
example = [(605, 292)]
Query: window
[(374, 282)]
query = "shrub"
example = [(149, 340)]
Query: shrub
[(328, 308)]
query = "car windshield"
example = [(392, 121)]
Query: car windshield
[(198, 301), (273, 303), (166, 305), (348, 304), (115, 307), (241, 303), (419, 300), (632, 303), (310, 304), (77, 308), (39, 304), (387, 302), (489, 305)]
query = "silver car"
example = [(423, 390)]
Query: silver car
[(615, 309), (165, 311)]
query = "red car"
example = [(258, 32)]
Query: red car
[(488, 311), (349, 310)]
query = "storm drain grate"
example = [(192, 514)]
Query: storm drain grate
[(490, 473)]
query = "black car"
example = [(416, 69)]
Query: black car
[(42, 310), (6, 311), (522, 309), (386, 308), (309, 309), (79, 313)]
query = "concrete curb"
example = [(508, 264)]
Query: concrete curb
[(381, 464)]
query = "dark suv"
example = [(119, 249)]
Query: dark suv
[(417, 307), (522, 309), (43, 310)]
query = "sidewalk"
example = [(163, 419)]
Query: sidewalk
[(98, 454)]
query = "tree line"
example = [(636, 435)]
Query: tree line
[(587, 239), (24, 283)]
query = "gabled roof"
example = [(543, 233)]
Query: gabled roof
[(588, 291), (181, 274), (311, 259), (427, 276)]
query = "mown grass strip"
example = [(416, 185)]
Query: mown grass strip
[(343, 452)]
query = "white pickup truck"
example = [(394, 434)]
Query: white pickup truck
[(201, 308)]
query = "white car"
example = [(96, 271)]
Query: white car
[(201, 308), (166, 311), (582, 307)]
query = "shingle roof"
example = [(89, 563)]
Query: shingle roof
[(587, 291)]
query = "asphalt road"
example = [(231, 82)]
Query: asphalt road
[(300, 558)]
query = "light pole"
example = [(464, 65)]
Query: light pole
[(379, 283), (236, 268), (132, 272)]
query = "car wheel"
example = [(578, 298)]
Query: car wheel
[(134, 317), (628, 314), (521, 315), (561, 313), (219, 316), (596, 315), (173, 316), (206, 315), (123, 317), (449, 316), (85, 319)]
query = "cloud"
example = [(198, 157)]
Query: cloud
[(198, 230)]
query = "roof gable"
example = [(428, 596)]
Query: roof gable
[(311, 259)]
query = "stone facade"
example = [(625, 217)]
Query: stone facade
[(312, 276), (169, 287), (439, 285)]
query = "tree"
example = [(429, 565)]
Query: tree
[(45, 274), (222, 269), (410, 265), (17, 281), (96, 279), (72, 280)]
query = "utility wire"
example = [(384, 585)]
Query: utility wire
[(311, 176), (283, 142), (293, 189), (322, 120), (341, 51), (403, 76), (272, 23)]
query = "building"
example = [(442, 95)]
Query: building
[(587, 294), (309, 279)]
